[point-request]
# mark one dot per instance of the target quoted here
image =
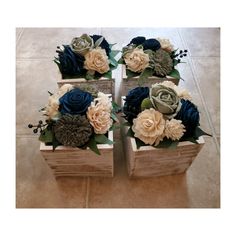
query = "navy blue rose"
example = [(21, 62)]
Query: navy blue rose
[(151, 44), (70, 64), (189, 115), (104, 44), (133, 100), (75, 102), (137, 40)]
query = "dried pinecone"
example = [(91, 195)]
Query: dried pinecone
[(73, 130), (87, 88), (163, 63)]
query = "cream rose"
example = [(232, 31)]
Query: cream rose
[(99, 114), (174, 129), (149, 126), (97, 60), (136, 60), (166, 44)]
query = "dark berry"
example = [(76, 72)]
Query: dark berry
[(30, 126), (40, 122), (185, 50), (35, 131), (185, 55), (181, 51), (181, 56)]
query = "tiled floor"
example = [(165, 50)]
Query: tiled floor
[(36, 74)]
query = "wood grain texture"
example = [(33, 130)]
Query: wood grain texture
[(128, 84), (148, 161), (69, 161), (104, 85)]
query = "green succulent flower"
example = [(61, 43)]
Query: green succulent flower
[(81, 45)]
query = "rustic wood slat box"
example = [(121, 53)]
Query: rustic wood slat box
[(69, 161), (130, 83), (148, 161), (103, 84)]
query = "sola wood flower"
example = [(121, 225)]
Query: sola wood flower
[(97, 60), (166, 44), (73, 130), (174, 129), (149, 126), (163, 63), (136, 60), (99, 114)]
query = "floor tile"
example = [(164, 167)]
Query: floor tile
[(33, 79), (198, 188), (42, 42), (208, 76), (18, 34), (203, 42), (36, 187)]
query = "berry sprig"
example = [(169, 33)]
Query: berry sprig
[(37, 127), (181, 54)]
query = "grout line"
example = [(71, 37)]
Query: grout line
[(19, 36), (192, 69), (87, 192)]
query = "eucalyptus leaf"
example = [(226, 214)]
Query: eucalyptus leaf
[(175, 74), (102, 139), (108, 74), (113, 61), (144, 76), (113, 116), (111, 45), (98, 42), (93, 145), (114, 53), (46, 136), (130, 133), (121, 61), (131, 74), (115, 107)]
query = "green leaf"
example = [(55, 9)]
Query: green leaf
[(102, 139), (140, 143), (199, 132), (114, 127), (144, 75), (113, 116), (46, 136), (175, 62), (89, 76), (115, 107), (121, 61), (114, 53), (113, 62), (93, 145), (108, 75), (130, 133), (98, 42), (111, 45), (131, 74), (146, 104), (167, 143), (55, 143), (175, 74)]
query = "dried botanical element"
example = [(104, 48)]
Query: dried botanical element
[(81, 45), (73, 130), (166, 44), (163, 63)]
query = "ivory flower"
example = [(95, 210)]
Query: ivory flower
[(99, 114), (149, 126), (166, 44), (97, 60), (174, 129), (136, 60), (51, 109)]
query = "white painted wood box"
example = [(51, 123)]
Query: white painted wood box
[(69, 161), (128, 84), (103, 84), (148, 161)]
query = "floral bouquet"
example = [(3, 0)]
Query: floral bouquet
[(77, 117), (161, 116), (151, 57), (88, 56)]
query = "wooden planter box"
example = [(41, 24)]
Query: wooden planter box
[(69, 161), (148, 161), (104, 85), (128, 84)]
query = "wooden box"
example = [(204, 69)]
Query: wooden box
[(148, 161), (103, 84), (128, 84), (69, 161)]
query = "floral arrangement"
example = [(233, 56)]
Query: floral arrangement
[(161, 116), (77, 117), (88, 56), (151, 57)]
